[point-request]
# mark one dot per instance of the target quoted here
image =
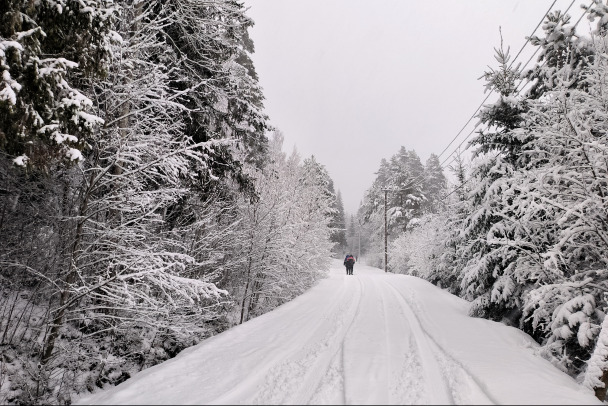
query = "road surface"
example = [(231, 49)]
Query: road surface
[(369, 338)]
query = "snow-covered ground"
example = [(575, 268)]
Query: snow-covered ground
[(369, 338)]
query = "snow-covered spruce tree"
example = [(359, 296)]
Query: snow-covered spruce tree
[(48, 52), (288, 231), (404, 174), (373, 231), (596, 375), (357, 237), (568, 184), (541, 242), (46, 49), (563, 53), (456, 208), (352, 234), (371, 211), (416, 251), (497, 275), (485, 276), (435, 184), (407, 177), (338, 224), (223, 97)]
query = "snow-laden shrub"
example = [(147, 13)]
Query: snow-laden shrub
[(417, 251)]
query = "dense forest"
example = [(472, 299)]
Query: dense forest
[(522, 230), (145, 201)]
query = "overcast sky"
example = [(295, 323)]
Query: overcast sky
[(351, 81)]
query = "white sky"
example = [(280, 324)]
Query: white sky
[(351, 81)]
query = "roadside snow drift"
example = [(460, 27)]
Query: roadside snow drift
[(369, 338)]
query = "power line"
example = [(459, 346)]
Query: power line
[(517, 91), (491, 91), (499, 152), (477, 125), (459, 145), (536, 28), (417, 179), (468, 121)]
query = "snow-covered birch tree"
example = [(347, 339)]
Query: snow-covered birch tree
[(288, 231)]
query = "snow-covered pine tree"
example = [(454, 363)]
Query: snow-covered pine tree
[(563, 53), (485, 276), (435, 184), (535, 234), (338, 224), (46, 49)]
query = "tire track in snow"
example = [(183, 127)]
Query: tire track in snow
[(463, 387), (367, 349), (330, 390), (330, 387), (435, 384), (296, 379), (405, 372), (249, 388)]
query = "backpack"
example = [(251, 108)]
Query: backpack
[(350, 260)]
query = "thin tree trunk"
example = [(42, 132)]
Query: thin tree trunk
[(69, 280), (244, 301), (600, 393)]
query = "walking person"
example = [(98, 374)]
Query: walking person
[(349, 263)]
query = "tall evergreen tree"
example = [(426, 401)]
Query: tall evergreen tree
[(499, 150), (402, 176), (46, 50), (527, 244), (434, 184), (338, 224)]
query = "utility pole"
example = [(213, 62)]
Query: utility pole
[(386, 190)]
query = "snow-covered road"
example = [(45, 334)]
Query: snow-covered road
[(369, 338)]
